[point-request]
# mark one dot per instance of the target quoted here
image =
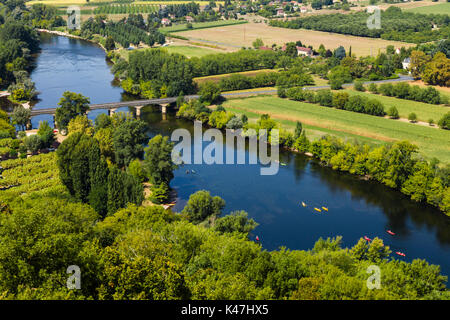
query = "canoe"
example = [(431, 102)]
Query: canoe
[(317, 209), (325, 208)]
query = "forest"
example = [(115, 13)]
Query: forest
[(395, 25)]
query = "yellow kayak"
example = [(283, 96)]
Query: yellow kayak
[(303, 204), (317, 209), (325, 208)]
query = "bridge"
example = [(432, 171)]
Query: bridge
[(113, 106)]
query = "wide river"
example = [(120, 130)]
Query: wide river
[(356, 208)]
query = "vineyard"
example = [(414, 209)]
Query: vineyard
[(125, 9)]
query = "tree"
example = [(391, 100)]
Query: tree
[(21, 116), (71, 105), (291, 50), (339, 53), (127, 141), (393, 113), (298, 130), (236, 221), (418, 62), (412, 117), (33, 143), (437, 72), (359, 86), (158, 163), (80, 124), (109, 43), (202, 205), (444, 122), (209, 92), (123, 189), (258, 43), (46, 134), (102, 121), (235, 123)]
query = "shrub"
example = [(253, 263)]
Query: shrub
[(444, 122), (374, 107), (324, 97), (356, 104), (359, 86), (373, 88), (340, 99), (393, 113), (336, 84), (412, 117)]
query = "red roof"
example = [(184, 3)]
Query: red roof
[(304, 49), (264, 48)]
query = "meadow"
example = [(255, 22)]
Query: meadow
[(424, 111), (244, 35), (318, 121), (441, 8)]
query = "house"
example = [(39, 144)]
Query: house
[(302, 51), (171, 16), (398, 51), (189, 19), (265, 48), (303, 10), (406, 63), (280, 13), (165, 22)]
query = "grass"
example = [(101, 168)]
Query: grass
[(424, 111), (319, 121), (441, 8), (201, 25), (190, 51), (237, 36)]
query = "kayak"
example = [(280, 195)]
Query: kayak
[(325, 208), (390, 232), (401, 254), (317, 209), (367, 238), (303, 204)]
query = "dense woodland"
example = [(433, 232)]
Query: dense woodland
[(395, 25)]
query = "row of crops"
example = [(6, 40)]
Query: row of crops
[(126, 9)]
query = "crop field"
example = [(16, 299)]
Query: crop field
[(190, 51), (201, 25), (125, 8), (440, 8), (319, 121), (424, 111), (244, 35)]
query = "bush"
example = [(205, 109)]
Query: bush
[(359, 86), (160, 193), (412, 117), (374, 107), (393, 113), (324, 98), (373, 88), (336, 84), (340, 99), (444, 122)]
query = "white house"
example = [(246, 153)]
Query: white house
[(302, 51), (406, 63)]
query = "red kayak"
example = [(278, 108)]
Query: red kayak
[(257, 238), (390, 232), (401, 254), (367, 238)]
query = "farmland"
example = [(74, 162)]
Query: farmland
[(424, 111), (243, 35), (441, 8), (319, 121), (201, 25)]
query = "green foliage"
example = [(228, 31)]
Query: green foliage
[(444, 122), (158, 164), (160, 193), (136, 170), (33, 143), (45, 132), (202, 205), (209, 92), (412, 117), (70, 106), (128, 138), (21, 116), (236, 221), (393, 113)]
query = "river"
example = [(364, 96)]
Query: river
[(356, 208)]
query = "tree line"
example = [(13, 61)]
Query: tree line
[(395, 25)]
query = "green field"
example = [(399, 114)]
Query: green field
[(441, 8), (319, 121), (424, 111), (201, 25), (189, 51)]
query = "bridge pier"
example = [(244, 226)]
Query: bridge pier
[(111, 111), (164, 108), (138, 111), (29, 126)]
